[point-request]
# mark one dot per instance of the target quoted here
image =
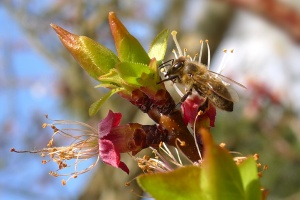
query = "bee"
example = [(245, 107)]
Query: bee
[(206, 83)]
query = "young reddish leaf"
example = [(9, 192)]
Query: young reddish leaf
[(220, 175), (94, 58), (180, 184), (159, 46), (128, 47)]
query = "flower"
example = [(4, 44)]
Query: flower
[(190, 111), (115, 139), (86, 142), (83, 145)]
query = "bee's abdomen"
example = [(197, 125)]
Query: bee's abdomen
[(220, 102)]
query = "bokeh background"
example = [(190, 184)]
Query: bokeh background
[(38, 76)]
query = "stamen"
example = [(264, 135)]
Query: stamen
[(208, 54), (181, 143), (164, 162), (175, 54), (168, 152), (224, 58), (174, 33), (195, 139), (200, 53), (184, 52), (177, 153), (83, 145), (195, 57)]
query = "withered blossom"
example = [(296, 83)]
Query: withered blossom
[(86, 142), (82, 145)]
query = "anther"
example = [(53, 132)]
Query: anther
[(184, 51), (174, 33)]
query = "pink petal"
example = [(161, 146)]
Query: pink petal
[(111, 120), (110, 156), (190, 110)]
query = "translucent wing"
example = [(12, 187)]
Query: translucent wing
[(216, 85), (227, 92), (228, 79)]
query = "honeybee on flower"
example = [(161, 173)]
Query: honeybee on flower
[(196, 76)]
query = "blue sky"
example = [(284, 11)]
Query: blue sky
[(28, 88), (31, 92)]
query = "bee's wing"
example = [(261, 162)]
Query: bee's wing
[(233, 93), (215, 74), (229, 93), (216, 85)]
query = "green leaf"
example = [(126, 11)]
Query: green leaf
[(94, 108), (112, 77), (107, 85), (100, 57), (159, 46), (131, 73), (220, 175), (250, 179), (180, 184), (128, 47), (94, 58)]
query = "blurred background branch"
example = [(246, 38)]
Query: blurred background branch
[(282, 14)]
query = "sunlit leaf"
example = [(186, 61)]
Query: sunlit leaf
[(128, 47), (181, 184), (93, 57), (220, 175), (250, 179), (131, 73), (159, 46)]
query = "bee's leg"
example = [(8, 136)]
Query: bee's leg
[(204, 106), (185, 96)]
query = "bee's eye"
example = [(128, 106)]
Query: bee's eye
[(178, 65)]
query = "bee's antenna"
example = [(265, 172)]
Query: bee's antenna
[(208, 54), (174, 33), (200, 53), (167, 63)]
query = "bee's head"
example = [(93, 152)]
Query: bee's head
[(177, 65)]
